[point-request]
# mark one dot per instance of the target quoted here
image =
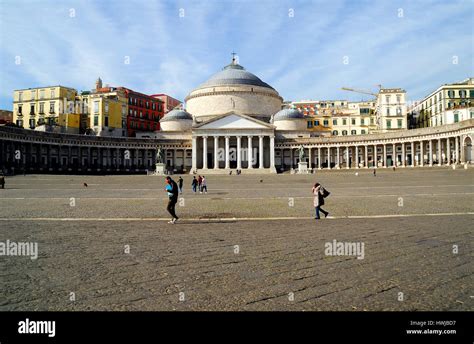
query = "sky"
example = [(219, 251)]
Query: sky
[(304, 49)]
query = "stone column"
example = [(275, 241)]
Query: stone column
[(329, 157), (431, 152), (357, 156), (384, 155), (310, 162), (319, 158), (239, 149), (227, 152), (375, 160), (413, 154), (260, 151), (394, 154), (456, 153), (422, 157), (448, 152), (216, 152), (204, 152), (403, 155), (272, 153), (291, 157), (194, 155), (249, 153), (347, 157), (439, 152), (338, 159), (366, 156)]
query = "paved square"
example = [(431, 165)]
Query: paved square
[(251, 243)]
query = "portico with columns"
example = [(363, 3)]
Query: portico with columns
[(233, 141)]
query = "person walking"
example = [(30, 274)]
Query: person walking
[(203, 184), (319, 193), (2, 180), (180, 184), (199, 183), (194, 184), (172, 189)]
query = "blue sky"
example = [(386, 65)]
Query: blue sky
[(408, 44)]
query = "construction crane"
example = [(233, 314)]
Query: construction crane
[(360, 91)]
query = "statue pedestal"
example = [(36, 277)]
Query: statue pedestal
[(302, 167), (160, 169)]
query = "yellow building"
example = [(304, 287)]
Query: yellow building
[(40, 106), (107, 115)]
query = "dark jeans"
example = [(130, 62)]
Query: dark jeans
[(171, 207), (318, 208), (204, 187)]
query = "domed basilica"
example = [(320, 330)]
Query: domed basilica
[(232, 120)]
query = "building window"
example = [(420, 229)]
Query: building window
[(96, 120), (96, 107), (372, 121), (399, 99), (456, 117), (106, 121), (362, 121), (362, 131), (353, 132), (106, 107), (32, 95), (353, 121), (344, 121), (316, 123), (20, 96), (451, 94), (51, 107), (334, 122), (32, 109), (41, 110), (471, 94), (399, 111), (389, 124), (387, 99), (52, 94), (326, 123), (462, 93), (41, 94), (32, 123), (310, 124), (344, 132), (335, 133), (399, 123), (20, 108), (19, 123)]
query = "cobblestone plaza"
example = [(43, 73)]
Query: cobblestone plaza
[(251, 243)]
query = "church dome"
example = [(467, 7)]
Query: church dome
[(177, 115), (287, 114), (233, 89), (234, 74), (176, 120)]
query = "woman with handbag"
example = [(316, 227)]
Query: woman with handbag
[(319, 193)]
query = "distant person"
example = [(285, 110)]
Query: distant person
[(194, 184), (2, 180), (319, 194), (172, 189), (199, 183), (180, 184), (203, 184), (375, 172)]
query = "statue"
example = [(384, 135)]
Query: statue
[(301, 153), (160, 156)]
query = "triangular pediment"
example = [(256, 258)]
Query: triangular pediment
[(233, 120)]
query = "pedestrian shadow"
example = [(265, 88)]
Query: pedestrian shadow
[(203, 221)]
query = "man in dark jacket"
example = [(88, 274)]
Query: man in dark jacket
[(172, 189), (180, 184)]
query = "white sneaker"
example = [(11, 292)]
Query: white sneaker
[(171, 222)]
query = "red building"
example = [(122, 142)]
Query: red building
[(144, 112), (169, 102)]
